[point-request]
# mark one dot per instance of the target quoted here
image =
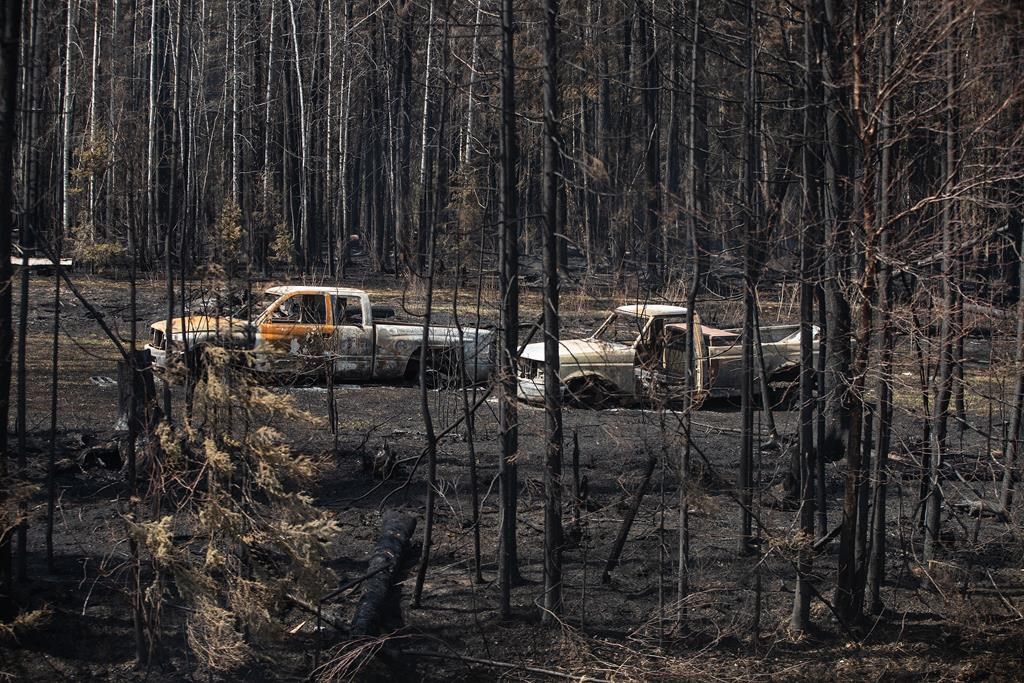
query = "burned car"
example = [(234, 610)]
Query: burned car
[(639, 353), (315, 330)]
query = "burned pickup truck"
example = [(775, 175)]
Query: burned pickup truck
[(314, 330), (639, 353)]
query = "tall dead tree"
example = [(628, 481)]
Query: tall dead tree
[(440, 184), (303, 247), (879, 474), (801, 617), (652, 161), (403, 182), (30, 89), (67, 122), (152, 150), (426, 155), (947, 333), (851, 564), (10, 32), (508, 283), (746, 469), (552, 383), (1012, 446), (836, 181), (693, 205)]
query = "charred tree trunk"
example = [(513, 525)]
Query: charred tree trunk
[(801, 617), (426, 157), (404, 223), (746, 469), (430, 225), (837, 178), (850, 574), (1011, 449), (652, 162), (10, 30), (508, 283), (944, 378), (26, 234), (552, 383), (690, 387), (876, 562), (396, 532)]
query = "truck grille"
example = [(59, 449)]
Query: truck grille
[(158, 339)]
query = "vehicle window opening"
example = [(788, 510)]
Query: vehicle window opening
[(620, 329), (286, 312), (314, 309), (651, 342), (342, 313)]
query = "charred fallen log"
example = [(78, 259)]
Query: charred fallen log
[(395, 535)]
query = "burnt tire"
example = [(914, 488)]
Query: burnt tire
[(590, 393), (442, 370)]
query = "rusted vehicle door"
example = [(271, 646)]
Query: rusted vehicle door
[(296, 335), (665, 370), (352, 339)]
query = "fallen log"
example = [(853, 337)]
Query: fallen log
[(396, 531)]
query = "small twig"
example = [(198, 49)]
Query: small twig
[(440, 435), (503, 665), (827, 538), (1002, 597), (310, 609)]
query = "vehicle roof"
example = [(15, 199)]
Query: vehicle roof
[(706, 330), (309, 289), (651, 310)]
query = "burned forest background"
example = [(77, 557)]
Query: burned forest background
[(522, 166)]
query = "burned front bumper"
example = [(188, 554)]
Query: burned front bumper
[(530, 390)]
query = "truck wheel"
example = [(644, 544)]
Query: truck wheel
[(443, 369), (590, 393)]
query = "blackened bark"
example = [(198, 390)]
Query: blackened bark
[(801, 618), (944, 379), (745, 485), (879, 473), (396, 532), (10, 31), (509, 290), (850, 575), (690, 387), (552, 384), (1011, 449), (652, 163), (29, 221), (837, 181)]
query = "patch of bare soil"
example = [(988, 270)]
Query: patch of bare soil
[(965, 623)]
